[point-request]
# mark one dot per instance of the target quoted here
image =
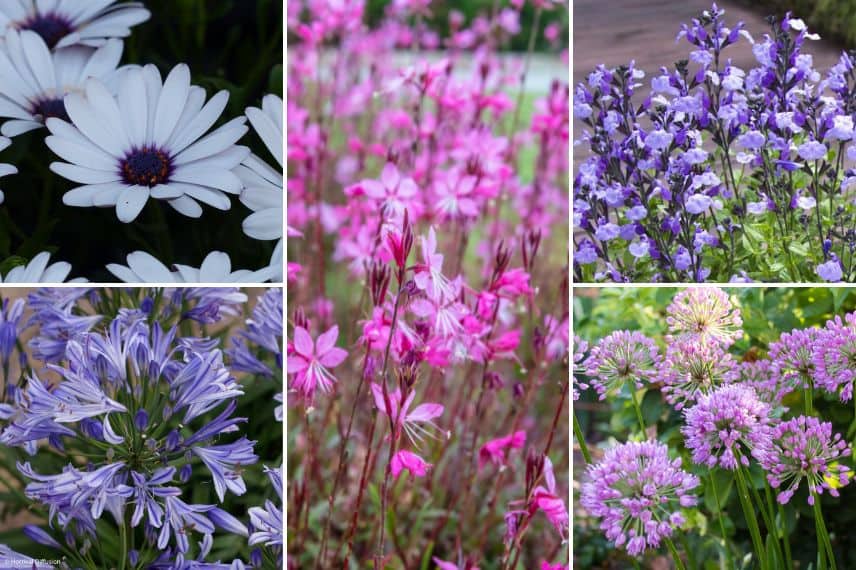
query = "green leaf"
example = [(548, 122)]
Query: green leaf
[(652, 407)]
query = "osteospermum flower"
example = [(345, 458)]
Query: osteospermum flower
[(34, 81), (38, 270), (262, 191), (216, 268), (63, 23), (310, 361), (726, 426), (694, 367), (145, 142), (622, 358), (805, 448), (706, 313), (637, 492), (834, 356)]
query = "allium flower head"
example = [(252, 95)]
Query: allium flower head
[(769, 385), (792, 357), (638, 493), (805, 448), (147, 141), (706, 313), (694, 367), (834, 356), (727, 425), (622, 358)]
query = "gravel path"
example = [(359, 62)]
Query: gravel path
[(614, 32)]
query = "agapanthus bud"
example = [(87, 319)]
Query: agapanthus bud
[(141, 419), (185, 472), (37, 534), (147, 305)]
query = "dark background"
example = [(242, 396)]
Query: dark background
[(229, 44)]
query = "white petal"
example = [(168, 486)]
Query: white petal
[(215, 267), (91, 125), (171, 102), (213, 143), (15, 128), (264, 224), (224, 180), (148, 268), (187, 206), (203, 121), (84, 175), (87, 155), (84, 196), (131, 202), (269, 132)]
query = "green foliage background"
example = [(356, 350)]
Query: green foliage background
[(229, 44), (766, 312), (832, 19)]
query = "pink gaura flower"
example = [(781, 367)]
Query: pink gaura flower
[(557, 566), (495, 450), (512, 284), (443, 565), (411, 421), (395, 192), (454, 198), (429, 276), (309, 361), (402, 460), (547, 501)]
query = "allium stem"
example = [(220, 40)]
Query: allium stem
[(751, 520), (638, 409), (824, 544), (677, 557), (786, 540), (578, 433), (721, 521)]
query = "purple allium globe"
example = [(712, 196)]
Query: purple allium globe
[(705, 313), (694, 367), (805, 448), (792, 355), (834, 357), (622, 358), (638, 492), (769, 385), (727, 426)]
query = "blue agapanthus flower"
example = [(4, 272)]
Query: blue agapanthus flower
[(136, 411)]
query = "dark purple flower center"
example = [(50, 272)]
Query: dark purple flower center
[(50, 108), (52, 27), (146, 166)]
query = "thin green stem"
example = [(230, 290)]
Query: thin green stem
[(721, 522), (578, 433), (678, 562), (808, 395), (638, 409), (822, 533), (751, 520), (786, 539)]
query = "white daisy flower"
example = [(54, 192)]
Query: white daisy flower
[(216, 268), (34, 81), (263, 184), (5, 169), (146, 142), (38, 271), (62, 23)]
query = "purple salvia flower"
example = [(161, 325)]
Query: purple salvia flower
[(638, 493), (805, 448), (726, 427), (622, 358)]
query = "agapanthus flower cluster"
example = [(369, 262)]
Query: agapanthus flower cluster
[(130, 135), (639, 493), (428, 349), (136, 408), (702, 170)]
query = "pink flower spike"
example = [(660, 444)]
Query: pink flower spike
[(494, 450), (429, 276), (558, 566), (309, 361), (410, 461), (410, 420)]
